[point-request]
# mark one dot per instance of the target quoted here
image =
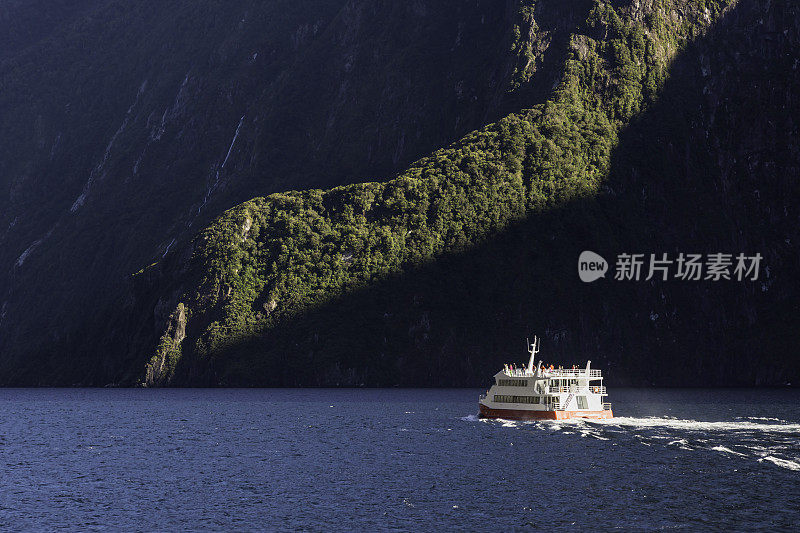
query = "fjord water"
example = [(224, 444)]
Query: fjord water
[(393, 459)]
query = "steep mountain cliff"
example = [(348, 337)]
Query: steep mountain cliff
[(128, 127), (660, 126)]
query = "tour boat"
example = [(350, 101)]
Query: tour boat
[(538, 392)]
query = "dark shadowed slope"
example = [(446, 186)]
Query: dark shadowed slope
[(127, 127), (639, 150)]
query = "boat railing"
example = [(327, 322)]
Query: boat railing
[(574, 372), (606, 406), (519, 373), (556, 373), (599, 389)]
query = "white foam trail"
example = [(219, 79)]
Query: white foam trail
[(586, 433), (695, 425), (680, 442), (727, 450), (747, 429), (762, 418), (783, 463)]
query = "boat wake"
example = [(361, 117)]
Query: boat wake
[(784, 463), (777, 426), (765, 440)]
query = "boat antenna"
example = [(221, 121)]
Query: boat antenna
[(533, 349)]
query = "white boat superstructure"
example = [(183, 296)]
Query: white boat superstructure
[(545, 392)]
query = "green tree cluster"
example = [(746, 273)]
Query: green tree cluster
[(271, 258)]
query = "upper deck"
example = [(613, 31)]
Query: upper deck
[(555, 373)]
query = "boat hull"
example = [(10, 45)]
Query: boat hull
[(524, 414)]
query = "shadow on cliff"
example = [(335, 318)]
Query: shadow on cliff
[(709, 167), (332, 93)]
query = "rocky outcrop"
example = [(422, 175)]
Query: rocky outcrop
[(162, 365)]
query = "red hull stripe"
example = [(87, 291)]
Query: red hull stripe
[(519, 414)]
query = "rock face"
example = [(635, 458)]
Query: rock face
[(161, 368), (127, 128), (649, 127)]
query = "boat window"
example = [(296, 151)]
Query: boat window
[(507, 398), (512, 382), (582, 402)]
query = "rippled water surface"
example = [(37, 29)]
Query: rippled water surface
[(394, 459)]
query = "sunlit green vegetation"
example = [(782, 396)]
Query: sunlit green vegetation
[(271, 258)]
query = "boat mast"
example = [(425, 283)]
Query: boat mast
[(533, 349)]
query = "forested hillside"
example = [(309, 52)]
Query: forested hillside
[(660, 126), (129, 126)]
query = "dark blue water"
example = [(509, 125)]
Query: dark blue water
[(393, 459)]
